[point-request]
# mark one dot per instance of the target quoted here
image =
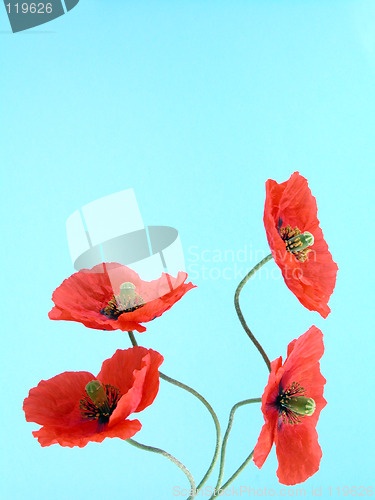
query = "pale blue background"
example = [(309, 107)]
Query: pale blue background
[(194, 105)]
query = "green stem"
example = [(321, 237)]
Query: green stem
[(206, 404), (226, 436), (172, 459), (238, 471), (213, 415), (132, 338), (240, 315)]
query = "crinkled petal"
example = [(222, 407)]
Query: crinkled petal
[(265, 440), (123, 369), (130, 401), (292, 203), (56, 401), (302, 366), (304, 353), (82, 435), (270, 413), (157, 306), (82, 296), (297, 446), (298, 453)]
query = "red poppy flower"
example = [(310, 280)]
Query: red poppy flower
[(297, 243), (112, 296), (291, 404), (77, 407)]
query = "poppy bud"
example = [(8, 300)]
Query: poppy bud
[(300, 242), (300, 405)]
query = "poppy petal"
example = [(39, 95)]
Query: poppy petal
[(297, 446), (56, 401), (86, 293), (121, 371), (70, 418), (265, 441), (298, 453), (305, 352), (267, 434), (129, 402), (291, 203), (80, 436)]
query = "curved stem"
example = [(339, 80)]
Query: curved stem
[(226, 435), (233, 477), (206, 404), (240, 315), (172, 459), (213, 415), (238, 471)]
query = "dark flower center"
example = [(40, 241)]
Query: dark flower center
[(99, 402), (292, 404), (127, 301), (296, 242)]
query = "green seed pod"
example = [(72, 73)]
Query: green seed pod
[(127, 292), (96, 393), (300, 242), (300, 405)]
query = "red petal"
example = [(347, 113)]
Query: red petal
[(56, 401), (297, 447), (80, 436), (270, 413), (304, 353), (129, 402), (302, 366), (123, 368), (298, 453), (265, 441), (312, 281), (82, 296), (160, 295)]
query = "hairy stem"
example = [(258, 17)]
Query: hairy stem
[(226, 435), (240, 315), (214, 417), (206, 404), (171, 458)]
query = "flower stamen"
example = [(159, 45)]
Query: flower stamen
[(100, 401), (297, 242), (128, 301), (293, 405)]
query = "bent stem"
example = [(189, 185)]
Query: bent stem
[(213, 415), (240, 315), (206, 404), (172, 459), (238, 472), (226, 436)]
